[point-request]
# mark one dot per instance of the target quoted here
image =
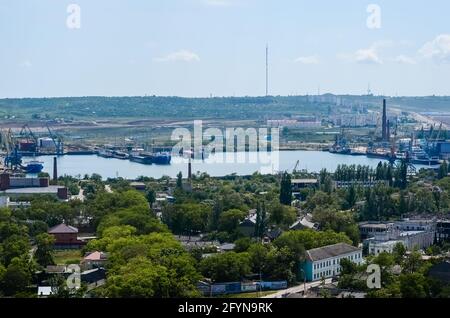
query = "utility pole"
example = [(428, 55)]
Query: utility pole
[(267, 70)]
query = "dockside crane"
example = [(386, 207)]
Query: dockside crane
[(59, 147)]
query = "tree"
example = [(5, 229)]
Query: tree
[(187, 218), (180, 180), (412, 262), (242, 244), (226, 267), (229, 220), (12, 247), (282, 215), (286, 189), (443, 170), (43, 254), (403, 174), (16, 278), (258, 226), (150, 195), (399, 252), (141, 278), (215, 216), (413, 285), (351, 197)]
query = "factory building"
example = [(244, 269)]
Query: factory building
[(382, 237), (12, 186)]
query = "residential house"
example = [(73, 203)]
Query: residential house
[(66, 237), (94, 260)]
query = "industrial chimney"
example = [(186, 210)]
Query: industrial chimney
[(190, 170), (384, 129), (55, 169)]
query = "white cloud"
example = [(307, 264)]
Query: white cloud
[(438, 49), (307, 60), (26, 64), (368, 56), (403, 59), (179, 56)]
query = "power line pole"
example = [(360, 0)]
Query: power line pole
[(267, 70)]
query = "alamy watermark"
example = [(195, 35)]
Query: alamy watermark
[(73, 281), (229, 146), (73, 21), (374, 18), (374, 278)]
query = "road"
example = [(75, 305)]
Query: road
[(80, 196), (297, 289), (428, 120)]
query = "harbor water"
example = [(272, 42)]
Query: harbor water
[(312, 161)]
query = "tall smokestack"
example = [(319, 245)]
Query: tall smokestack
[(384, 124), (55, 169), (190, 170)]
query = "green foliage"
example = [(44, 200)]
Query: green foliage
[(299, 241), (337, 221), (43, 254), (16, 277), (286, 189), (242, 244), (229, 220), (188, 218), (282, 215), (226, 267)]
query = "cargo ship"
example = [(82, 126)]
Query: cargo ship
[(420, 157), (162, 158)]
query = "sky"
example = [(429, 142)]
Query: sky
[(202, 48)]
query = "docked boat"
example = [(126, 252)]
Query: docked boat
[(378, 154), (340, 150), (34, 167), (161, 158), (141, 159), (121, 155), (106, 153), (420, 157)]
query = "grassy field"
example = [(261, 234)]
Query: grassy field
[(63, 257)]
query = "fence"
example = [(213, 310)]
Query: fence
[(239, 287)]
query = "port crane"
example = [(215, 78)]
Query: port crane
[(28, 134), (294, 171), (59, 148), (12, 159)]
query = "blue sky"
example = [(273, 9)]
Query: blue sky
[(203, 47)]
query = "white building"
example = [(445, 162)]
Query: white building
[(413, 234)]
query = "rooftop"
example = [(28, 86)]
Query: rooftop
[(96, 256), (62, 229), (312, 181), (37, 190), (330, 251)]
